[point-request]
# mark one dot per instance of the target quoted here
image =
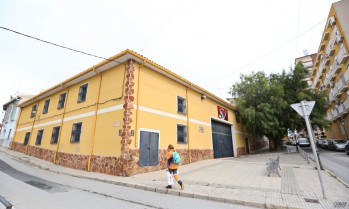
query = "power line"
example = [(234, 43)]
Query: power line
[(266, 54), (64, 47), (163, 24)]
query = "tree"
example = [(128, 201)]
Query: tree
[(264, 103), (260, 101)]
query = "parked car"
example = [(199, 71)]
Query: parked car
[(337, 144), (346, 148), (320, 142), (303, 142), (324, 144)]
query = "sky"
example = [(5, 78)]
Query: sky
[(209, 42)]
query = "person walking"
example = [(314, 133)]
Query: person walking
[(172, 169)]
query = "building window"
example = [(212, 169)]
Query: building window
[(76, 132), (82, 93), (55, 134), (39, 137), (46, 105), (32, 114), (26, 138), (61, 101), (181, 105), (181, 134)]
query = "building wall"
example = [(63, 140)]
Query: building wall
[(9, 125), (120, 103), (331, 70)]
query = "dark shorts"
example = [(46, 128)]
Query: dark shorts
[(173, 171)]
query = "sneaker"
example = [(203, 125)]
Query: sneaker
[(181, 184), (168, 187)]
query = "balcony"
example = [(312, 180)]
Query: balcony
[(335, 113), (331, 22), (339, 38), (342, 54), (322, 47), (325, 36), (346, 105)]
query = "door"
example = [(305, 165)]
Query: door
[(222, 140), (247, 145), (149, 148)]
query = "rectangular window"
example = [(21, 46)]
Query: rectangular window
[(82, 93), (26, 138), (55, 134), (181, 133), (181, 105), (46, 105), (76, 132), (39, 137), (61, 100), (32, 114)]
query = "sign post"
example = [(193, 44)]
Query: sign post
[(304, 109)]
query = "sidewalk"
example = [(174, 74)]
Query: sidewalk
[(232, 180)]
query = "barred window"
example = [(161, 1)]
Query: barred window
[(55, 134), (61, 100), (33, 112), (26, 138), (76, 132), (181, 133), (82, 93), (181, 105), (39, 137), (46, 105)]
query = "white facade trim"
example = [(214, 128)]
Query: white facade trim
[(48, 123)]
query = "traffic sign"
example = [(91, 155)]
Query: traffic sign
[(307, 105)]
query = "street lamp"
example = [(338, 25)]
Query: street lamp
[(342, 121)]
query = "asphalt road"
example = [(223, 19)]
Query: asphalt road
[(335, 161), (28, 187)]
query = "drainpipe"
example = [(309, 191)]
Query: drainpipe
[(137, 110), (186, 95), (95, 121), (61, 129), (31, 130)]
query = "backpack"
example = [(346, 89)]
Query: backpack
[(176, 157)]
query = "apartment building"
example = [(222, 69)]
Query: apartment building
[(331, 69), (119, 116), (10, 118)]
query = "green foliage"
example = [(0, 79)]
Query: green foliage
[(264, 102)]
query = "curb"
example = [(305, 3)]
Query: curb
[(336, 177)]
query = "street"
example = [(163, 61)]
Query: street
[(29, 187), (335, 161)]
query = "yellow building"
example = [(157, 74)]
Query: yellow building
[(331, 70), (119, 116)]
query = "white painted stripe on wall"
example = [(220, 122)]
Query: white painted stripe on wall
[(243, 133), (24, 128), (158, 112), (48, 123), (199, 122), (83, 115), (115, 108), (110, 109)]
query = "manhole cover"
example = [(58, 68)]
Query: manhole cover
[(296, 167), (311, 200)]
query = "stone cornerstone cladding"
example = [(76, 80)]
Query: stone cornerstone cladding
[(38, 152), (126, 162), (72, 160), (19, 147)]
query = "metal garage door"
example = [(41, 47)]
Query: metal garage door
[(149, 148), (222, 139)]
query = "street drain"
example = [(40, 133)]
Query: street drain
[(296, 167), (311, 200)]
